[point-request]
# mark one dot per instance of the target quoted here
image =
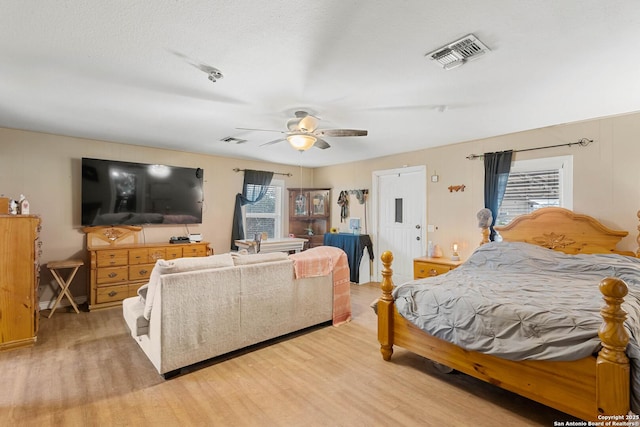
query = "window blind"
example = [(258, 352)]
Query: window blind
[(527, 191)]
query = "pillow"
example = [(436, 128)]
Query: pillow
[(142, 292), (179, 265), (259, 258), (151, 290)]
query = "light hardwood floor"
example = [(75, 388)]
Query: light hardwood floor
[(86, 370)]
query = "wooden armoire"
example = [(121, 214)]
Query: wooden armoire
[(310, 214), (19, 279)]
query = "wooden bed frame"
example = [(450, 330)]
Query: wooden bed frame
[(584, 388)]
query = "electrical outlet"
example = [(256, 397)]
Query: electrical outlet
[(431, 228)]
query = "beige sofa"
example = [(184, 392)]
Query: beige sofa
[(194, 309)]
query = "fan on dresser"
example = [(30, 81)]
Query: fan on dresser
[(303, 132)]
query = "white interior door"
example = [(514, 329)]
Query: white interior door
[(400, 207)]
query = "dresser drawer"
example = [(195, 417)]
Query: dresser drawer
[(156, 254), (111, 258), (173, 253), (138, 256), (146, 256), (112, 274), (140, 272), (429, 266), (427, 269), (199, 250), (112, 293)]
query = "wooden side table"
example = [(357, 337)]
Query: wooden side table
[(427, 267), (54, 267)]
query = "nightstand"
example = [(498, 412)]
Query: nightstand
[(427, 267)]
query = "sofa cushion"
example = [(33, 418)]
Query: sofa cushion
[(179, 265), (259, 258), (133, 312)]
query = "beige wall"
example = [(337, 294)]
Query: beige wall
[(606, 178), (46, 169)]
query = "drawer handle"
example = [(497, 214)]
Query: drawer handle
[(433, 272), (113, 294), (112, 275), (112, 255), (143, 272)]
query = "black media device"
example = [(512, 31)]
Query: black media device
[(117, 192), (179, 239)]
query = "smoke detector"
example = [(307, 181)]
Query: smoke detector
[(458, 52)]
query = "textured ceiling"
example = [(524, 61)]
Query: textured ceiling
[(135, 71)]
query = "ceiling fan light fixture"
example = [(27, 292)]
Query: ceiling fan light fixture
[(301, 142)]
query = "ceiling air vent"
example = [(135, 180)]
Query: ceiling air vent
[(232, 140), (458, 52)]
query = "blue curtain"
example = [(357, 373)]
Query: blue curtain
[(255, 186), (496, 174)]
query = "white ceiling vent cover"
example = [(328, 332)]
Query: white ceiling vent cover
[(458, 52)]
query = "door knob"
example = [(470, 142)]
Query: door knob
[(418, 226), (418, 238)]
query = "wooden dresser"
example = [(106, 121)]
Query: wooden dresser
[(427, 267), (119, 265), (19, 280)]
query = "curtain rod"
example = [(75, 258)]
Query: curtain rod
[(275, 173), (583, 143)]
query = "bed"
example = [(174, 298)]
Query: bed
[(592, 380)]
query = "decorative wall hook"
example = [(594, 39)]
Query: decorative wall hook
[(456, 188)]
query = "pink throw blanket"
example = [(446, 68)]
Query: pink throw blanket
[(320, 261)]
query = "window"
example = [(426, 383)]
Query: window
[(536, 184), (266, 215)]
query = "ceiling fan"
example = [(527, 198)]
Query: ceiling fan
[(303, 132)]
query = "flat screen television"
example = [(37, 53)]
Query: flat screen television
[(116, 192)]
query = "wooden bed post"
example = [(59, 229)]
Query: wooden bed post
[(612, 366), (385, 308)]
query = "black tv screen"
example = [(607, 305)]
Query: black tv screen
[(115, 192)]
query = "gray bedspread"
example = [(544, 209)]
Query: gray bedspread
[(519, 301)]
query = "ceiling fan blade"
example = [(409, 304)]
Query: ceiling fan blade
[(340, 132), (275, 141), (321, 143), (262, 130)]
